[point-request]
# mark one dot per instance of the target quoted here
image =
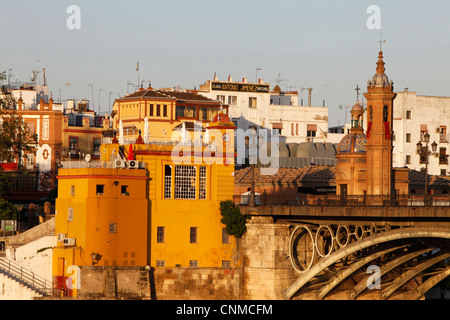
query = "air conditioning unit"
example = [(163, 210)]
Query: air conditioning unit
[(61, 237), (119, 163), (133, 164), (69, 241)]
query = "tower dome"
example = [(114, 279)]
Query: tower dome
[(354, 142)]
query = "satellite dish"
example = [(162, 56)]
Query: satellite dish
[(87, 158)]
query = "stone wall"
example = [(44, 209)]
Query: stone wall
[(143, 283), (197, 283), (265, 253)]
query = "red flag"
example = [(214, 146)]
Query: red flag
[(130, 153)]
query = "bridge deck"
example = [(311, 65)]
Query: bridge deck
[(393, 215)]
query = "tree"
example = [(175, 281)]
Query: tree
[(7, 210), (233, 219), (5, 184), (14, 135)]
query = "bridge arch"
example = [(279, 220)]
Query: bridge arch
[(361, 244)]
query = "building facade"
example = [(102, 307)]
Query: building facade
[(254, 104), (414, 115), (161, 201)]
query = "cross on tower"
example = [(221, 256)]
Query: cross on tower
[(357, 93), (381, 41)]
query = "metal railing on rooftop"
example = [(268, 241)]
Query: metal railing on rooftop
[(265, 199)]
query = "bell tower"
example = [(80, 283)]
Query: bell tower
[(380, 97)]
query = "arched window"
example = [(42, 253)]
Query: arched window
[(385, 114)]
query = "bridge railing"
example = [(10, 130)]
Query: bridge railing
[(338, 200)]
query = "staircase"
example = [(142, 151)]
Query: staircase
[(25, 277)]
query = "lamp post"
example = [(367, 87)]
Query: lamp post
[(252, 160), (424, 152)]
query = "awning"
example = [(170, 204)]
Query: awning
[(277, 126), (311, 127)]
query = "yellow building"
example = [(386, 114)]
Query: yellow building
[(171, 214), (164, 111), (100, 211)]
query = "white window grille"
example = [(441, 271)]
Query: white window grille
[(70, 214), (202, 183), (226, 263), (185, 182), (193, 263), (160, 263), (113, 228)]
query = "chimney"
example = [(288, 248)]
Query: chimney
[(309, 97)]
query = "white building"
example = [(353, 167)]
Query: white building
[(254, 104), (414, 115)]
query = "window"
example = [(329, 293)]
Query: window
[(70, 214), (221, 98), (203, 113), (202, 183), (252, 102), (193, 263), (310, 133), (160, 263), (113, 228), (193, 235), (185, 182), (124, 190), (167, 182), (96, 146), (72, 190), (158, 110), (296, 129), (73, 146), (423, 131), (30, 161), (443, 158), (443, 172), (408, 114), (443, 134), (408, 137), (160, 232), (232, 100), (292, 129), (164, 111), (226, 263), (100, 189), (276, 132), (408, 159), (225, 236), (311, 130), (151, 110)]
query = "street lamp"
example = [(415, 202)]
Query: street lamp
[(95, 256), (424, 153)]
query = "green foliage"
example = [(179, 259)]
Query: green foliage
[(14, 135), (5, 184), (7, 210), (233, 219)]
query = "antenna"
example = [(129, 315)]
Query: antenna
[(92, 87)]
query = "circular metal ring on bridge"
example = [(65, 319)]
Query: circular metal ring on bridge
[(373, 229), (301, 247), (324, 240), (359, 232), (342, 232)]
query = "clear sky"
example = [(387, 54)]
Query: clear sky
[(325, 45)]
